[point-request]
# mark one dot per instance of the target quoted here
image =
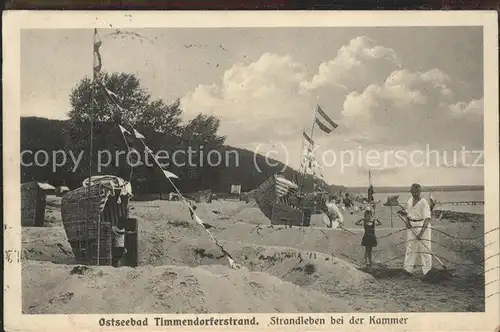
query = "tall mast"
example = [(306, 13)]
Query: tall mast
[(96, 67), (304, 170)]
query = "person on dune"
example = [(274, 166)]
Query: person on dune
[(332, 212), (418, 233)]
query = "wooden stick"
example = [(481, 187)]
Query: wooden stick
[(428, 249)]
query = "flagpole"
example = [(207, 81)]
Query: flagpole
[(312, 133), (305, 164), (92, 93), (370, 185), (301, 158), (314, 122)]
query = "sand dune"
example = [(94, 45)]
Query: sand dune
[(164, 289), (311, 269)]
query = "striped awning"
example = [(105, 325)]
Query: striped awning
[(109, 184), (284, 186)]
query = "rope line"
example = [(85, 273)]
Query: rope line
[(184, 200), (437, 243), (111, 96)]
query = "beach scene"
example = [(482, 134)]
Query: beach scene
[(232, 170)]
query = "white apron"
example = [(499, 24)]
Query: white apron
[(415, 247)]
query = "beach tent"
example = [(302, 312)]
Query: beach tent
[(276, 198), (33, 203), (89, 212), (61, 190), (235, 189)]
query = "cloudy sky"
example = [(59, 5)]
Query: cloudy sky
[(398, 94)]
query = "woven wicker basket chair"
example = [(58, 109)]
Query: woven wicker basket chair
[(84, 209), (278, 199), (33, 203)]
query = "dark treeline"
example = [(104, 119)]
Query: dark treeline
[(62, 148), (237, 166)]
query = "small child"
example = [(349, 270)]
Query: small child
[(369, 240), (119, 249)]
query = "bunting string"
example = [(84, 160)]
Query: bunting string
[(168, 175)]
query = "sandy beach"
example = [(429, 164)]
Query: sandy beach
[(311, 269)]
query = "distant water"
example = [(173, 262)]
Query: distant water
[(444, 196)]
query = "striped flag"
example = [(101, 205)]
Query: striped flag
[(97, 56), (308, 139), (323, 117)]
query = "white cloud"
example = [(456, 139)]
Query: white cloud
[(273, 98), (354, 66), (363, 88), (260, 100), (412, 107), (474, 107)]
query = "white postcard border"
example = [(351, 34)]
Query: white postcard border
[(14, 21)]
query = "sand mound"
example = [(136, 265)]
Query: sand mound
[(165, 210), (46, 244), (462, 254), (251, 215), (314, 270), (164, 289), (325, 273), (297, 269)]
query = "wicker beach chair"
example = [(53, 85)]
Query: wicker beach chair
[(33, 203), (88, 214)]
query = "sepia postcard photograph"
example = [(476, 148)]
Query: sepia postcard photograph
[(264, 170)]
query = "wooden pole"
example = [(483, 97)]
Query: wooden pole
[(392, 226), (91, 151)]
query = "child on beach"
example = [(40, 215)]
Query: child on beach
[(369, 240), (119, 250)]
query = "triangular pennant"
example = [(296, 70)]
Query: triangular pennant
[(233, 264), (138, 134), (123, 130), (197, 219), (111, 94), (170, 175)]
